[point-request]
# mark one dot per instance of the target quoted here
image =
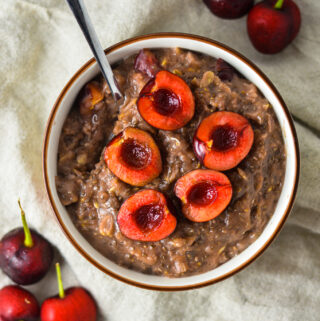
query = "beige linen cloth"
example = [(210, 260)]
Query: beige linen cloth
[(41, 47)]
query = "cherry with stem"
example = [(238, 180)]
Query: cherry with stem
[(28, 242), (72, 304), (278, 4), (25, 255)]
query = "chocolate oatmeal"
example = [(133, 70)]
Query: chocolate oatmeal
[(93, 194)]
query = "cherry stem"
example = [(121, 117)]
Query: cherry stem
[(279, 4), (60, 285), (28, 242)]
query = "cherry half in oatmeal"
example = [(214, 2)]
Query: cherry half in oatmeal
[(204, 194), (166, 102), (224, 71), (134, 157), (147, 63), (223, 140), (91, 94), (145, 216)]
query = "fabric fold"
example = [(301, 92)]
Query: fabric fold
[(42, 47)]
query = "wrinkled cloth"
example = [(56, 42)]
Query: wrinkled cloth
[(42, 47)]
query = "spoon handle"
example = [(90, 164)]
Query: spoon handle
[(81, 14)]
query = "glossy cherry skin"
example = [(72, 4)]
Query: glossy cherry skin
[(224, 71), (77, 305), (229, 9), (18, 304), (147, 63), (271, 30), (25, 265)]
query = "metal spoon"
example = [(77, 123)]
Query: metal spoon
[(81, 14)]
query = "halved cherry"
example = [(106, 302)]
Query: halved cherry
[(204, 194), (166, 102), (134, 157), (91, 94), (224, 71), (223, 140), (147, 63), (145, 216)]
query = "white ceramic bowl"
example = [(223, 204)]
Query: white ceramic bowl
[(245, 67)]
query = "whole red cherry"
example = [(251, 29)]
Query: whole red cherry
[(72, 304), (229, 9), (273, 24), (17, 303), (25, 256)]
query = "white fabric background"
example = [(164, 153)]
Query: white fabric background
[(41, 47)]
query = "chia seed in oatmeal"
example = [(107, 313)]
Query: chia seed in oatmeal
[(93, 195)]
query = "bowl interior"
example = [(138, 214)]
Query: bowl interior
[(61, 111)]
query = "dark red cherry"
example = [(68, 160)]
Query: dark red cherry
[(229, 9), (273, 24), (25, 255)]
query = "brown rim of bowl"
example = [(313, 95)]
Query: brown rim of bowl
[(243, 59)]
